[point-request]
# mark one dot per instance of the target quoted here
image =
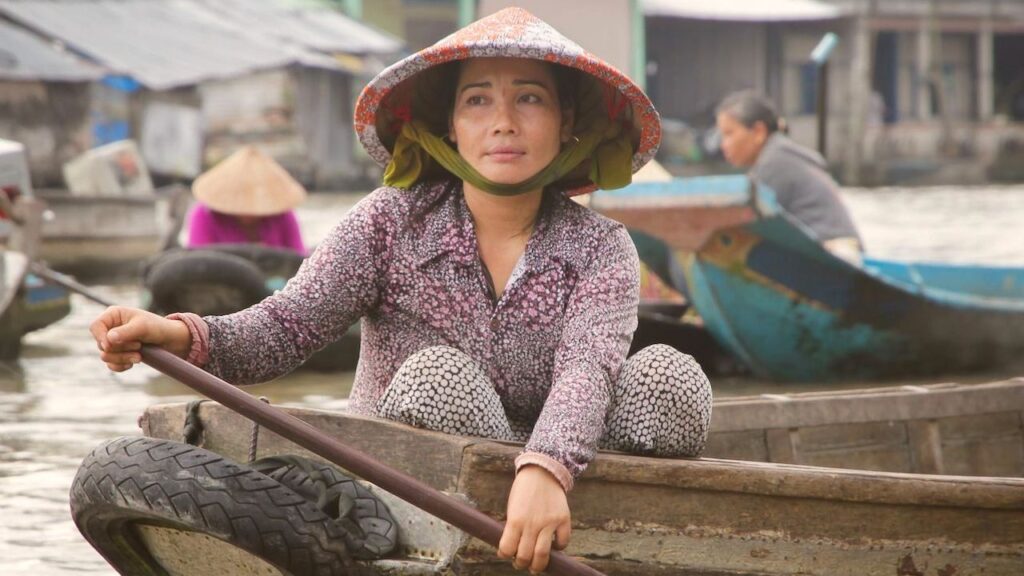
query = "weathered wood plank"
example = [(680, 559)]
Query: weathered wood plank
[(783, 445), (991, 444), (925, 442), (869, 405), (742, 445), (432, 457), (716, 515)]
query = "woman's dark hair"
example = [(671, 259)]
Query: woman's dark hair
[(749, 108)]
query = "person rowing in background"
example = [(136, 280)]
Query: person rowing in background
[(246, 198), (752, 139)]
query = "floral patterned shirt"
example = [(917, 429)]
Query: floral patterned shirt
[(406, 263)]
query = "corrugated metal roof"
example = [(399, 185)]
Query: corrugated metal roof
[(159, 45), (170, 43), (25, 56), (317, 28), (743, 10)]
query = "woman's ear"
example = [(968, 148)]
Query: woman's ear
[(568, 123), (760, 130), (451, 130)]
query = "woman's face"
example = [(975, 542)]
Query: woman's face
[(507, 122), (740, 145)]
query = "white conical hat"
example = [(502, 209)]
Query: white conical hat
[(248, 183)]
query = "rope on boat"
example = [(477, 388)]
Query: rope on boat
[(192, 431), (254, 436)]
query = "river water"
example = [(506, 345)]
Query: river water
[(58, 401)]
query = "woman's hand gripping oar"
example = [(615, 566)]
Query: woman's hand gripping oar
[(413, 491)]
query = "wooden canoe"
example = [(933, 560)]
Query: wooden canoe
[(647, 516), (27, 303), (791, 310), (99, 236)]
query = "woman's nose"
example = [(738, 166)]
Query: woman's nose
[(504, 119)]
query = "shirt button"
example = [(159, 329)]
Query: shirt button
[(495, 324)]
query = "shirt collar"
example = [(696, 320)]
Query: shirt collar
[(449, 231)]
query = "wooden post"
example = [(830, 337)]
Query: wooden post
[(985, 49), (820, 56), (860, 89), (822, 109)]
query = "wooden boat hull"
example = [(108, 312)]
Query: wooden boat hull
[(683, 213), (791, 310), (971, 430), (635, 515), (98, 236), (654, 327), (29, 304)]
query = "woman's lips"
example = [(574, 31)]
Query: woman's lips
[(505, 154)]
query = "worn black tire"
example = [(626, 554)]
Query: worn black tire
[(379, 529), (206, 282), (271, 260), (136, 480)]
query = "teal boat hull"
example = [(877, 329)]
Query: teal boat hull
[(791, 310)]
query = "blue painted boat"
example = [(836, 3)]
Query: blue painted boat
[(790, 310), (27, 303)]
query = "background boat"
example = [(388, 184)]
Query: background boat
[(100, 237), (27, 303), (791, 310)]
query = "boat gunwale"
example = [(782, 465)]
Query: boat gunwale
[(886, 404), (712, 474)]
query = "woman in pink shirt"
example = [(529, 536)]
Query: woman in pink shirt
[(246, 199)]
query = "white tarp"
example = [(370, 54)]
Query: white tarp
[(743, 10)]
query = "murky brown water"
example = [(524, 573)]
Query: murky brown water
[(59, 401)]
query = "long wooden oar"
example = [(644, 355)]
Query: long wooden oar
[(413, 491)]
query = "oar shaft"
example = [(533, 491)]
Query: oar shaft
[(413, 491), (69, 283)]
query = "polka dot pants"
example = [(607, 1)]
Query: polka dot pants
[(661, 402)]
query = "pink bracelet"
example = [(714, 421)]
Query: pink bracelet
[(199, 353), (556, 468)]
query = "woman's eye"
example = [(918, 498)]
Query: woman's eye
[(530, 98), (475, 100)]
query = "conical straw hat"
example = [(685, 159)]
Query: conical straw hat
[(515, 33), (248, 183)]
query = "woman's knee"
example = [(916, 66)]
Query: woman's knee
[(669, 373), (441, 388), (662, 404)]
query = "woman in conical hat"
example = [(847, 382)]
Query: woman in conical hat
[(492, 305), (246, 198)]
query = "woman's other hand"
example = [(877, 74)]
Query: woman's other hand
[(537, 519), (120, 333)]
